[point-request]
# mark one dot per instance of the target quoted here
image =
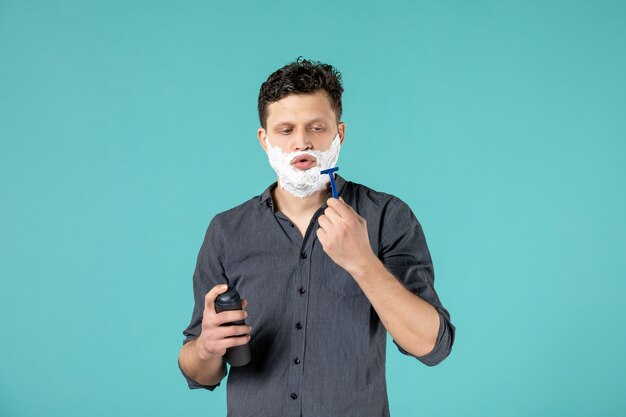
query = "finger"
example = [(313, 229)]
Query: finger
[(209, 298), (321, 236), (332, 215), (343, 209), (349, 206), (233, 341), (229, 316), (232, 331), (244, 303), (324, 222)]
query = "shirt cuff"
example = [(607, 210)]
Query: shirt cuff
[(442, 348)]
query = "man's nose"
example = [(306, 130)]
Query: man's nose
[(301, 141)]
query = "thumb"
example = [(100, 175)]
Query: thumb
[(210, 297)]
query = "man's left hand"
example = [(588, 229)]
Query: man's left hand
[(343, 235)]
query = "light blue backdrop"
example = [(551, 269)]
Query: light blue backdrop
[(126, 125)]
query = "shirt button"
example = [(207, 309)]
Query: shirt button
[(301, 290), (298, 325), (291, 224), (303, 255), (294, 395), (296, 361)]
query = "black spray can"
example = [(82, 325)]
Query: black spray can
[(230, 300)]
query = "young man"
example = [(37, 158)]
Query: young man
[(323, 279)]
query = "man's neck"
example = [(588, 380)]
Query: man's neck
[(291, 205)]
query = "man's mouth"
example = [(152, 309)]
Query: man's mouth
[(304, 162)]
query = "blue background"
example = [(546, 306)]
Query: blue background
[(125, 126)]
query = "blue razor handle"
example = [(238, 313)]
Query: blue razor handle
[(330, 171)]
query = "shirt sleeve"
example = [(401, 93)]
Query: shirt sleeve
[(405, 254), (208, 273)]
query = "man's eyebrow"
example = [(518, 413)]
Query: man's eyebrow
[(318, 120), (283, 124)]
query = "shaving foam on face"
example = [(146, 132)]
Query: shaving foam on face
[(302, 183)]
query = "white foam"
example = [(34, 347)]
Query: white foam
[(303, 183)]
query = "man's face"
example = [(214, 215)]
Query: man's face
[(299, 122)]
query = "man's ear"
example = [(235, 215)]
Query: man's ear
[(341, 128), (261, 135)]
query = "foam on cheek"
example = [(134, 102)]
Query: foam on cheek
[(298, 182)]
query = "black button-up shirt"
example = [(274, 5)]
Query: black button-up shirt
[(318, 346)]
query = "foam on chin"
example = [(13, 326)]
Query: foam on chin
[(302, 183)]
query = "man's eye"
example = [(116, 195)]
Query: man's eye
[(285, 131), (318, 129)]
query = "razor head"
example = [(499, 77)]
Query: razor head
[(329, 170)]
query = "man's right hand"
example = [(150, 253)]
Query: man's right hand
[(214, 338)]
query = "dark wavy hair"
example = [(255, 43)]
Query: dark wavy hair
[(300, 77)]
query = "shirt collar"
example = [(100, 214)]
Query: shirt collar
[(266, 197)]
